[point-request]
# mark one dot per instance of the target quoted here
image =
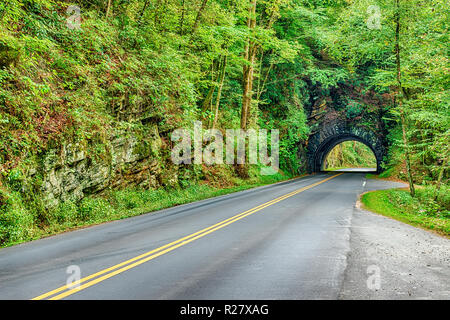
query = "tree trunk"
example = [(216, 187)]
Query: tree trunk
[(247, 81), (439, 181), (248, 69), (108, 8), (407, 156), (219, 92), (261, 88), (402, 111), (208, 100), (199, 16), (142, 12)]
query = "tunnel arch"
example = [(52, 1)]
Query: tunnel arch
[(322, 142)]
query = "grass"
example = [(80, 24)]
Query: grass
[(388, 174), (421, 211), (116, 205)]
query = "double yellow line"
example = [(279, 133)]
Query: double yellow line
[(102, 275)]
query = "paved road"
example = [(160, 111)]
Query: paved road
[(368, 170), (286, 241)]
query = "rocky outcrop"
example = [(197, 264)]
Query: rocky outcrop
[(74, 172)]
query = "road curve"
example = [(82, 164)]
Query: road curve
[(285, 241)]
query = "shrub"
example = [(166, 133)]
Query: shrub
[(94, 209)]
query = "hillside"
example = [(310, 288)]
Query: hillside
[(91, 93)]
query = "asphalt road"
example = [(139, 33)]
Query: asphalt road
[(368, 170), (285, 241)]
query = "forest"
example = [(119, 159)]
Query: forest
[(88, 72)]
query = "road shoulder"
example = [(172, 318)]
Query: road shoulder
[(410, 263)]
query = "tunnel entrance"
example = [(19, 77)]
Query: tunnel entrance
[(321, 143), (350, 156)]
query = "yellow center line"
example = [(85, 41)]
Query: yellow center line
[(143, 255), (131, 263)]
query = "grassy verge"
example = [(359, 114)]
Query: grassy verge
[(116, 205), (421, 211), (388, 175)]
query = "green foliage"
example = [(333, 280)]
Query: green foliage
[(295, 131), (422, 95), (420, 211), (16, 223), (94, 209), (152, 62), (350, 154)]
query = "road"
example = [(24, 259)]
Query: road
[(288, 241), (368, 170)]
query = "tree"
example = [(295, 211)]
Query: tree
[(219, 93), (108, 7), (402, 94), (199, 15), (404, 57)]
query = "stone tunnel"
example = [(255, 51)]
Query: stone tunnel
[(323, 141)]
